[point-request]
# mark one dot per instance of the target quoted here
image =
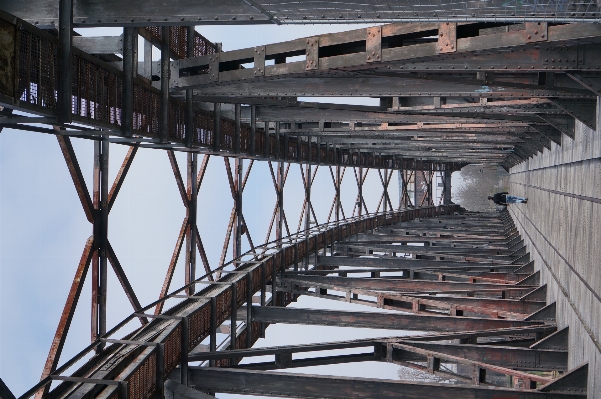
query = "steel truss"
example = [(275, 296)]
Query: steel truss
[(449, 93), (471, 283), (98, 249)]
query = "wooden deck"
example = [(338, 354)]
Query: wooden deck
[(562, 226)]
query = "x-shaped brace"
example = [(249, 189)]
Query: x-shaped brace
[(405, 198), (427, 198), (236, 189), (90, 251), (279, 193), (188, 227), (336, 193), (360, 179), (385, 180), (304, 179)]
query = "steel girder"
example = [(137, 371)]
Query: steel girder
[(238, 12)]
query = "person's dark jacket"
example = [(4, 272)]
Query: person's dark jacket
[(500, 198)]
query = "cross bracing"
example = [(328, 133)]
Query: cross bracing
[(491, 307)]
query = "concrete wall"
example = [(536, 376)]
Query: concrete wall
[(563, 234)]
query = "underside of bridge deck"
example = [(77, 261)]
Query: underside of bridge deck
[(477, 305)]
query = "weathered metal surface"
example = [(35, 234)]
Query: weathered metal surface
[(517, 84), (77, 176), (380, 320), (67, 315), (303, 385), (223, 292), (8, 35), (237, 12), (515, 358)]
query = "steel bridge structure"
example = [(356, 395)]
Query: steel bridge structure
[(458, 83)]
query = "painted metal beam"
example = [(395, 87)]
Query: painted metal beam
[(308, 385), (392, 321)]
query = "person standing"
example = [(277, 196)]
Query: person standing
[(504, 198)]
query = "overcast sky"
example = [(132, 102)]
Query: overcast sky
[(43, 228)]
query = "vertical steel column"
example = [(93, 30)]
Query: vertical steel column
[(65, 23), (266, 140), (401, 182), (337, 191), (431, 175), (189, 94), (308, 208), (216, 127), (213, 330), (299, 147), (191, 214), (415, 188), (237, 128), (238, 179), (286, 146), (447, 186), (263, 295), (249, 303), (360, 188), (238, 165), (253, 129), (165, 70), (277, 151), (280, 215), (233, 317), (185, 349), (280, 183), (129, 42), (385, 190), (95, 232), (104, 196)]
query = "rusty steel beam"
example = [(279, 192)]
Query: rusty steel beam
[(5, 392), (78, 180), (393, 321), (504, 356), (399, 284), (178, 177), (65, 36), (120, 178), (191, 209), (124, 281), (419, 322), (171, 268), (203, 255), (308, 385), (67, 315)]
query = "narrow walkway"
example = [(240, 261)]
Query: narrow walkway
[(561, 226)]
